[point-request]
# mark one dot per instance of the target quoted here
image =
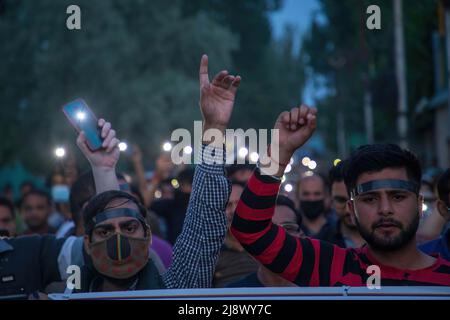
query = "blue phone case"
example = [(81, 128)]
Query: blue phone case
[(83, 119)]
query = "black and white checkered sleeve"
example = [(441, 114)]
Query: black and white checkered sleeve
[(197, 248)]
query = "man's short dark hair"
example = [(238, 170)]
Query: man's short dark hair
[(376, 157), (39, 193), (81, 192), (100, 202), (286, 201), (443, 186), (5, 202), (325, 182), (336, 173)]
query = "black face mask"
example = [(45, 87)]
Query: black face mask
[(312, 209)]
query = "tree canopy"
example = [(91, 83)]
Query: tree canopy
[(136, 64)]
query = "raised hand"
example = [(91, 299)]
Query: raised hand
[(106, 157), (164, 166), (294, 128), (136, 154), (217, 97)]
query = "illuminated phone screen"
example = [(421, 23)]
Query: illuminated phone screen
[(83, 119)]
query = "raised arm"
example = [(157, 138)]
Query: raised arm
[(103, 162), (305, 262), (197, 248), (136, 159)]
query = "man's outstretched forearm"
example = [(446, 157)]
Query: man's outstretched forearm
[(197, 248), (252, 226), (297, 260), (103, 162), (105, 179)]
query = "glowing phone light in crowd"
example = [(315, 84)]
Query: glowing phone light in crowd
[(60, 152), (187, 150), (288, 169), (288, 187), (424, 207), (167, 146), (254, 156), (305, 161), (158, 194), (81, 115), (175, 183), (312, 165), (336, 162), (243, 152), (123, 146), (309, 173)]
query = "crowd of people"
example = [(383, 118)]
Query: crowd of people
[(219, 225)]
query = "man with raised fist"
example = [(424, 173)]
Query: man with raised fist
[(383, 182)]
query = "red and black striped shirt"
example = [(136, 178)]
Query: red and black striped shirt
[(310, 262)]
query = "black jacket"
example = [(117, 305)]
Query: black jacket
[(174, 212), (28, 264)]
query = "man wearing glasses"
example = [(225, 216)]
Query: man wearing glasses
[(287, 217)]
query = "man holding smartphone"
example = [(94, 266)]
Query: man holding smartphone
[(383, 184), (116, 235), (17, 280)]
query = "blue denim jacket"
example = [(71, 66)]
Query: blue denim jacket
[(439, 245)]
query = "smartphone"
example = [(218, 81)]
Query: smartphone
[(83, 119)]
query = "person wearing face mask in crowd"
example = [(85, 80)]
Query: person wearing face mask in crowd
[(30, 264), (117, 236), (61, 217), (72, 253), (383, 183), (117, 239), (312, 193)]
